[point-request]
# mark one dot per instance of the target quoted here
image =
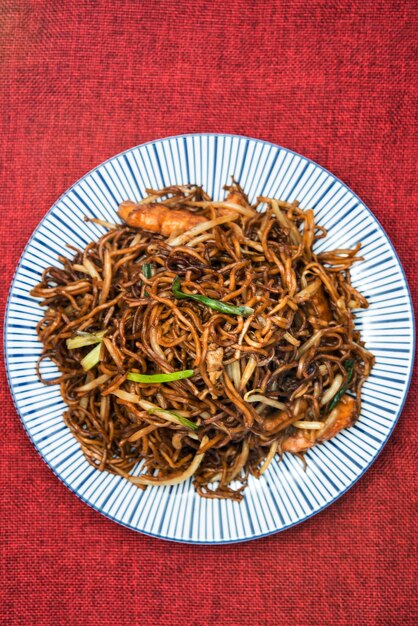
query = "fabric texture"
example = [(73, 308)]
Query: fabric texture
[(83, 80)]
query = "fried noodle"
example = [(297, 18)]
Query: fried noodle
[(282, 372)]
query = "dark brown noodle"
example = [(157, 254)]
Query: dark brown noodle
[(290, 351)]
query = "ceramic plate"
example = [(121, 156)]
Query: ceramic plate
[(286, 494)]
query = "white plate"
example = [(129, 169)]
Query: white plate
[(286, 494)]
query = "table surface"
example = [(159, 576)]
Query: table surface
[(84, 80)]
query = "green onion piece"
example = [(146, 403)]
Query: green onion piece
[(85, 339), (182, 420), (92, 358), (216, 305), (159, 378), (147, 272), (349, 368)]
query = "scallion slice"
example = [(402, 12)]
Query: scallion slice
[(83, 339), (92, 358), (159, 378), (147, 270), (349, 367), (216, 305), (148, 273), (183, 421)]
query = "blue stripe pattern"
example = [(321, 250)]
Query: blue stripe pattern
[(286, 494)]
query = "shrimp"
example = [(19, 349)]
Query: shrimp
[(157, 218), (235, 196), (281, 420), (342, 416)]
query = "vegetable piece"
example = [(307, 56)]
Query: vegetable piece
[(147, 272), (159, 378), (175, 417), (83, 339), (92, 384), (177, 478), (333, 390), (125, 395), (216, 305), (250, 396), (92, 358), (308, 425), (270, 456), (349, 367)]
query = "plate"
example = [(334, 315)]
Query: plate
[(286, 494)]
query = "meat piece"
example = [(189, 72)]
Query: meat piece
[(214, 362), (320, 307)]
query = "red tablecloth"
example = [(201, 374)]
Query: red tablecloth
[(84, 80)]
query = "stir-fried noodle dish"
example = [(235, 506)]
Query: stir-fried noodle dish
[(199, 339)]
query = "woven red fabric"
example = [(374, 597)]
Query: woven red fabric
[(83, 80)]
